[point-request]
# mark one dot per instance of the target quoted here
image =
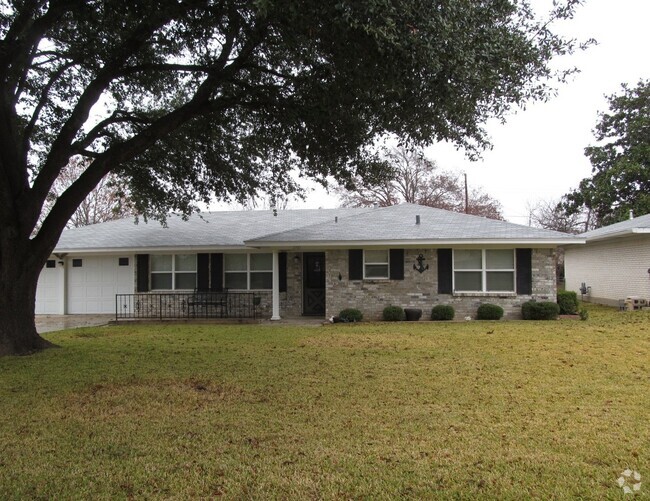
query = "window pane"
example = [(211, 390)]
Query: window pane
[(500, 259), (161, 263), (234, 262), (185, 262), (468, 281), (376, 256), (262, 262), (261, 280), (467, 260), (185, 281), (235, 281), (161, 281), (500, 281), (376, 271)]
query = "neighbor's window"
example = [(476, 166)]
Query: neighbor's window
[(375, 264), (248, 271), (484, 270), (173, 271)]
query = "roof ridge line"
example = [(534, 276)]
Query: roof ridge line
[(370, 209)]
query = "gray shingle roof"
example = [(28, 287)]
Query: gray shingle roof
[(640, 224), (399, 223), (304, 227), (208, 229)]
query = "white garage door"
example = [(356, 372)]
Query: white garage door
[(49, 292), (93, 282)]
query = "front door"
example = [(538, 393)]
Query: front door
[(313, 283)]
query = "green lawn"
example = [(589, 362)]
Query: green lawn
[(464, 410)]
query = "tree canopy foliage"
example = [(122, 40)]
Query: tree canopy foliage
[(413, 178), (620, 160), (186, 100)]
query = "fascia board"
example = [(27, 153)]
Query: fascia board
[(619, 234), (140, 250), (415, 243)]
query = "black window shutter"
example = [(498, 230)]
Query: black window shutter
[(396, 264), (524, 271), (445, 270), (355, 264), (216, 272), (142, 277), (203, 272), (282, 270)]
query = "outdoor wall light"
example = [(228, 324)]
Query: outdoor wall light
[(340, 276), (296, 259), (61, 263)]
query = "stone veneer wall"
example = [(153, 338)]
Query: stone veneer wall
[(419, 290)]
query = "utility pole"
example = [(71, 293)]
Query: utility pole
[(466, 195)]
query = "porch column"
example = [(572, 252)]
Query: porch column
[(276, 286)]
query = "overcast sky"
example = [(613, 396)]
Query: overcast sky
[(539, 152)]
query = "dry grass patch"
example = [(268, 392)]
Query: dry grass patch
[(465, 410)]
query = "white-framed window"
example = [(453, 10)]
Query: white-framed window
[(173, 271), (375, 263), (484, 270), (248, 271)]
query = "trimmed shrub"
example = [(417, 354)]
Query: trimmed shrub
[(584, 314), (393, 314), (350, 315), (544, 310), (489, 311), (442, 312), (568, 302)]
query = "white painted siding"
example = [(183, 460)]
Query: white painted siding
[(613, 269)]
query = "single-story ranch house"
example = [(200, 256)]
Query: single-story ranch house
[(613, 264), (308, 262)]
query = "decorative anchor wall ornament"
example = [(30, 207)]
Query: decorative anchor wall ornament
[(420, 267)]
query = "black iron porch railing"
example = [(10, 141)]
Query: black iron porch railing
[(185, 305)]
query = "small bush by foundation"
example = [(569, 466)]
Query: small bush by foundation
[(442, 312), (351, 315), (489, 312), (544, 310), (568, 302), (393, 314)]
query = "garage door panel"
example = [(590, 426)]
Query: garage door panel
[(92, 287), (49, 291)]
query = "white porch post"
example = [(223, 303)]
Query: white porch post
[(276, 286)]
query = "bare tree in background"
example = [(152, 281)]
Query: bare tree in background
[(413, 178), (108, 201), (551, 215)]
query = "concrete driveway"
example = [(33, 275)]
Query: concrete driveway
[(49, 323)]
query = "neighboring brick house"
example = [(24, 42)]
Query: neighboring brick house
[(309, 262), (613, 264)]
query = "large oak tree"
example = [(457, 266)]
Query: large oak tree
[(189, 99)]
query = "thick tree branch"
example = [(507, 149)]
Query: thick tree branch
[(43, 99), (61, 149)]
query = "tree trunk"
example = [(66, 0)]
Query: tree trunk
[(18, 278)]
